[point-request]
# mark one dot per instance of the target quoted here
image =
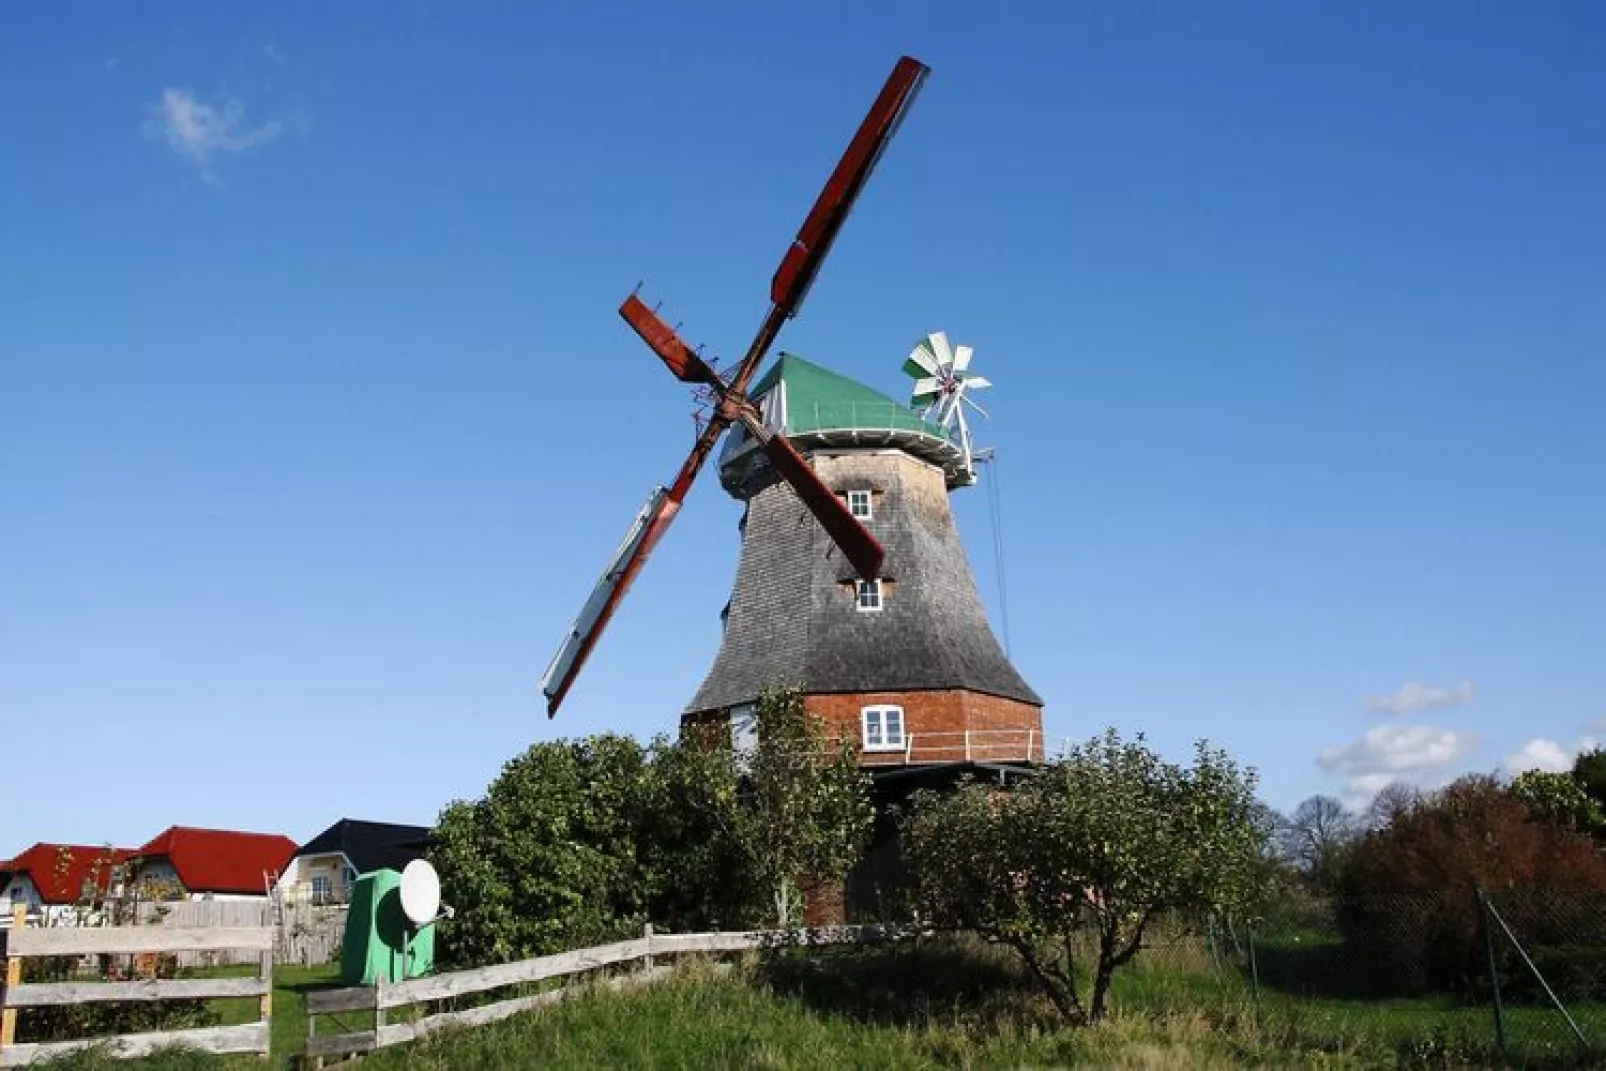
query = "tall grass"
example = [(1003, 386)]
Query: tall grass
[(936, 1006), (945, 1002)]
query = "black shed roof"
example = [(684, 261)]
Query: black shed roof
[(370, 845)]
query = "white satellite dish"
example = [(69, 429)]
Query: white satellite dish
[(420, 892)]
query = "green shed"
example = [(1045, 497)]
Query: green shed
[(376, 929)]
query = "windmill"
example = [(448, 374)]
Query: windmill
[(942, 389), (788, 288)]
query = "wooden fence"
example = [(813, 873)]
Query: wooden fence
[(23, 942), (308, 934), (381, 999)]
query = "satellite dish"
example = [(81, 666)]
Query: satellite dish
[(420, 892)]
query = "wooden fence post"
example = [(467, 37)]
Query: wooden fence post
[(8, 1018), (267, 993), (646, 934)]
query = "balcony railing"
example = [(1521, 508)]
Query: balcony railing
[(974, 745), (862, 424)]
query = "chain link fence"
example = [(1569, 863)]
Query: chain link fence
[(1464, 977)]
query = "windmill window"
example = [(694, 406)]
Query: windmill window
[(883, 729), (869, 596), (859, 505)]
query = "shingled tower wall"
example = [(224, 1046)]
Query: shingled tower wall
[(794, 618)]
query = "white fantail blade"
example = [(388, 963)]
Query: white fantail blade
[(921, 362), (962, 358), (977, 382), (929, 387), (938, 341)]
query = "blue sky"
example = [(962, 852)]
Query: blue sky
[(317, 422)]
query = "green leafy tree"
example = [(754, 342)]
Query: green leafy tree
[(1589, 770), (791, 811), (1558, 798), (1078, 861), (699, 870), (556, 854)]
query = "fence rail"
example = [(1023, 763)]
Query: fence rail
[(385, 997), (22, 942)]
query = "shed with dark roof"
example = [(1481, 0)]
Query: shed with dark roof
[(324, 869)]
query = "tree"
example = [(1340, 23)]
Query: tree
[(1392, 801), (1317, 835), (1558, 798), (1589, 770), (793, 810), (582, 841), (554, 855), (1085, 855)]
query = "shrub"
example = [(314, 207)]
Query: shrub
[(1406, 901), (551, 857)]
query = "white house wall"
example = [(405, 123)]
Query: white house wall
[(20, 889)]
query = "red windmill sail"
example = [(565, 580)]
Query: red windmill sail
[(788, 288)]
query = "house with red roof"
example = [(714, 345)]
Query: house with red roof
[(53, 878), (183, 863)]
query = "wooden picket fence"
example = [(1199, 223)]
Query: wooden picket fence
[(23, 942), (385, 998)]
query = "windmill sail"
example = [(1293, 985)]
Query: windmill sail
[(582, 636), (788, 287)]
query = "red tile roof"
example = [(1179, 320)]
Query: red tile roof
[(60, 871), (221, 860)]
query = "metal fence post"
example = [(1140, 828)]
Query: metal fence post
[(1494, 974), (1538, 976)]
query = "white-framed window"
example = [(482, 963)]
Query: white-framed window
[(869, 596), (320, 888), (744, 735), (744, 727), (883, 728), (859, 505)]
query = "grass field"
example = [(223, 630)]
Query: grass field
[(948, 1003)]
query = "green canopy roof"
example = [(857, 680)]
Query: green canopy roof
[(818, 399), (818, 408)]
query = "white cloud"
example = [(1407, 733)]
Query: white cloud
[(271, 51), (1413, 697), (199, 131), (1546, 755), (1416, 754)]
